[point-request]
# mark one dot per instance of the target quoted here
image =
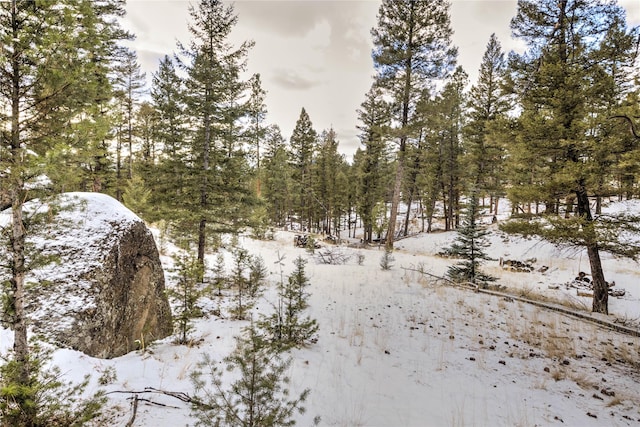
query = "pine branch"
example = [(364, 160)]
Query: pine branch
[(632, 126)]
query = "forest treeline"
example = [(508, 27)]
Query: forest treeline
[(548, 129), (196, 147)]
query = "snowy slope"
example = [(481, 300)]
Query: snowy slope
[(395, 349)]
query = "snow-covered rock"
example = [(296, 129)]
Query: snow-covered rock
[(103, 293)]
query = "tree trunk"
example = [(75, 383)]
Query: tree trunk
[(403, 138), (395, 200), (204, 189), (408, 215), (119, 164), (600, 288), (17, 239)]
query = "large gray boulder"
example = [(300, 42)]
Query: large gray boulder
[(104, 293)]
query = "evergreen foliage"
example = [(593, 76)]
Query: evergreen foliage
[(186, 293), (469, 246), (387, 259), (48, 79), (219, 276), (553, 136), (45, 399), (258, 395), (303, 147), (257, 276), (286, 328), (412, 47), (248, 277), (136, 196), (278, 182), (216, 194), (372, 163), (489, 104), (328, 194), (128, 84)]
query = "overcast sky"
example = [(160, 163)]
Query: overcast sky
[(317, 54)]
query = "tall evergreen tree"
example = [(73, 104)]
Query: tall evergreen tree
[(257, 130), (550, 79), (412, 47), (611, 78), (372, 162), (47, 79), (214, 89), (430, 164), (170, 132), (449, 121), (129, 81), (488, 106), (278, 185), (303, 147), (327, 168)]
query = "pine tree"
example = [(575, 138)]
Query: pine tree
[(256, 130), (440, 173), (372, 163), (412, 47), (47, 79), (187, 292), (326, 169), (167, 94), (241, 280), (219, 276), (611, 145), (303, 146), (258, 395), (51, 401), (129, 84), (469, 246), (278, 184), (145, 125), (430, 164), (550, 81), (285, 328), (488, 106), (219, 199)]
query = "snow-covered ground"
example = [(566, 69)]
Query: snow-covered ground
[(398, 349)]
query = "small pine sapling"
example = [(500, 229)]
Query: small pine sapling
[(311, 245), (219, 277), (44, 399), (257, 276), (469, 247), (187, 293), (259, 396), (286, 328), (387, 259), (299, 282), (240, 280)]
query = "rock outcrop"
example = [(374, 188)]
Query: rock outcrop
[(104, 293)]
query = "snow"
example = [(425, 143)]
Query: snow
[(83, 224), (398, 349)]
